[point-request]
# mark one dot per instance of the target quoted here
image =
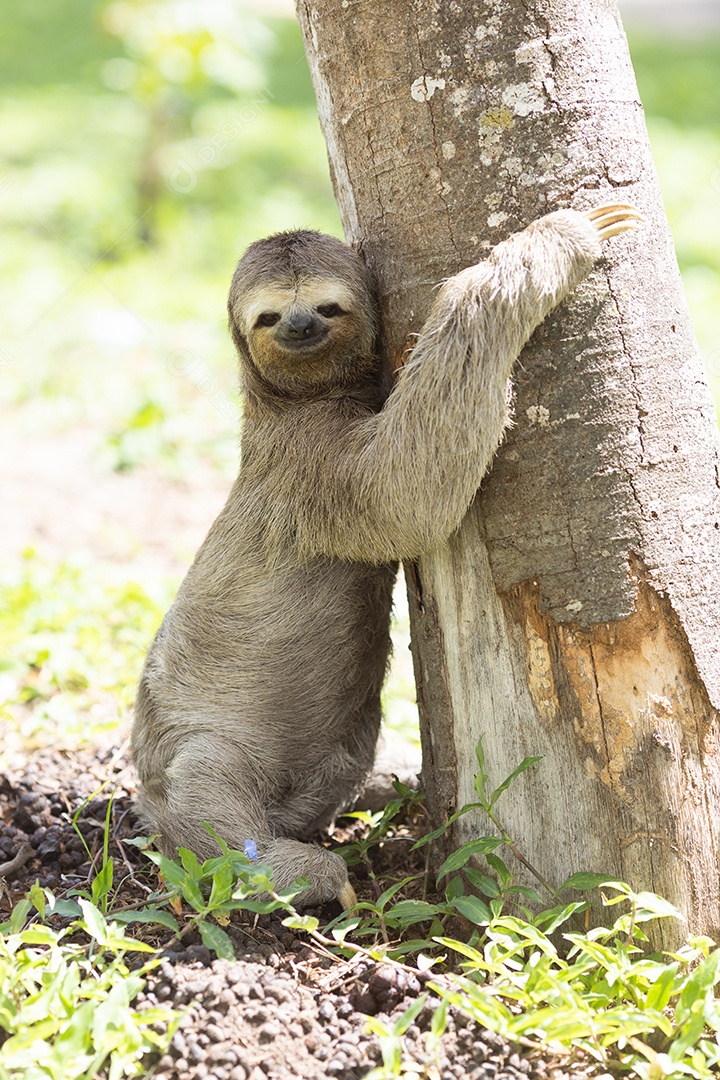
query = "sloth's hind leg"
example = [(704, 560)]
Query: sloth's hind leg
[(199, 786), (203, 786)]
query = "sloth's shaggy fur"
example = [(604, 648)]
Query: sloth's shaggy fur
[(259, 707)]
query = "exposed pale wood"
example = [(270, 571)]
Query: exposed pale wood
[(577, 613)]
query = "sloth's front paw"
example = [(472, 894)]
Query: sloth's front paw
[(325, 872), (613, 219)]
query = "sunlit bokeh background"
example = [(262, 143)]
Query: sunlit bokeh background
[(143, 144)]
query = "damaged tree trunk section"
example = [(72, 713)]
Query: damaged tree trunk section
[(576, 614)]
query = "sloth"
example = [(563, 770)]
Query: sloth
[(258, 709)]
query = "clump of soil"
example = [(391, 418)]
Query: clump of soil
[(281, 1009)]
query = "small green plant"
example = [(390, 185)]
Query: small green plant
[(66, 997), (390, 1037), (102, 880), (214, 889), (658, 1016), (496, 890), (377, 826), (539, 979)]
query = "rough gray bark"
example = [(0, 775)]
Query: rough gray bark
[(576, 614)]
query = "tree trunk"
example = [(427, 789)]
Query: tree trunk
[(576, 615)]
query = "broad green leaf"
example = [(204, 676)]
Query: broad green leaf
[(147, 915), (255, 879), (604, 955), (173, 874), (435, 834), (37, 898), (409, 1016), (500, 868), (141, 842), (524, 764), (68, 909), (407, 792), (496, 906), (409, 912), (262, 907), (479, 1004), (585, 880), (379, 829), (236, 860), (388, 894), (548, 921), (444, 828), (192, 894), (18, 917), (303, 922), (341, 932), (473, 909), (190, 863), (41, 935), (454, 887), (102, 882), (463, 855), (695, 990), (661, 990), (482, 882), (288, 895), (651, 906), (464, 950), (222, 886), (94, 921), (213, 937), (118, 941), (222, 844), (525, 931), (524, 890)]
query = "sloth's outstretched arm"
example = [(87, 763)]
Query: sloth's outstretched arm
[(404, 478)]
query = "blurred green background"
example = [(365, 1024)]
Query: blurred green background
[(142, 146)]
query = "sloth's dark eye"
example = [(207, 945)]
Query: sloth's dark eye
[(328, 311), (268, 318)]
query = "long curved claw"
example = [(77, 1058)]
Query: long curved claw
[(347, 896), (614, 218)]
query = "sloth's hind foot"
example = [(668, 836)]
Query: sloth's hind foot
[(325, 871)]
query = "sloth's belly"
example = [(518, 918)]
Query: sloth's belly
[(304, 649)]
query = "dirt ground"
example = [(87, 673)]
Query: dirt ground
[(281, 1010)]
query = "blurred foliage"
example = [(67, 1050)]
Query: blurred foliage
[(678, 76), (48, 42), (72, 641), (679, 87), (143, 144)]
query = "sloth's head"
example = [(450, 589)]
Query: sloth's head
[(303, 316)]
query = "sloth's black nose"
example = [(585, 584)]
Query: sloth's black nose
[(299, 327)]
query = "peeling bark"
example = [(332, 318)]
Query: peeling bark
[(577, 612)]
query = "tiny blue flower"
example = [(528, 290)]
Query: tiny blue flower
[(250, 849)]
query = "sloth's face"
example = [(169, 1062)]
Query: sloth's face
[(309, 331)]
